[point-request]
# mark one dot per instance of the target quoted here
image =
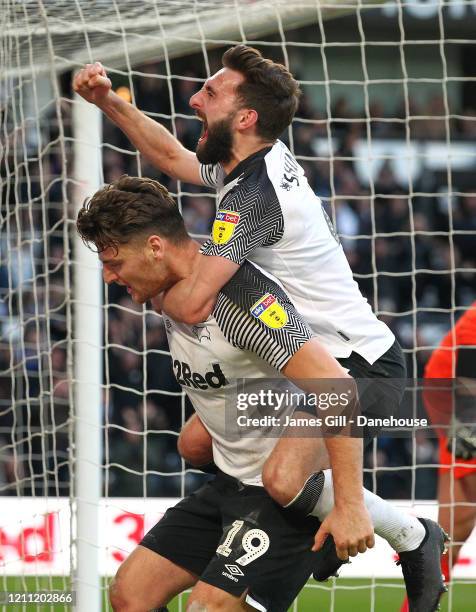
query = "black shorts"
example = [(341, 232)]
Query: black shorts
[(381, 385), (235, 537)]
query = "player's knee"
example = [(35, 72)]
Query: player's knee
[(195, 446), (117, 596), (277, 483), (193, 451), (210, 599), (201, 605), (123, 597)]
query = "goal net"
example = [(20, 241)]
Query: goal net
[(90, 410)]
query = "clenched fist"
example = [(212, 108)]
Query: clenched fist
[(92, 83)]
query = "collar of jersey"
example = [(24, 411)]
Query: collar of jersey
[(246, 163)]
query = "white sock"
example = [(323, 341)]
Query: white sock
[(402, 531)]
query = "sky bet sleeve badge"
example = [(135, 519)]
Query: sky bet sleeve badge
[(270, 311), (224, 226)]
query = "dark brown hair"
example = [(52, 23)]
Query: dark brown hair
[(129, 208), (269, 89)]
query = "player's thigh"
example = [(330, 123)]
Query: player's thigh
[(213, 599), (381, 386), (147, 580), (454, 494), (291, 463), (264, 550), (174, 552)]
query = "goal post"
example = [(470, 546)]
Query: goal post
[(87, 339), (136, 31)]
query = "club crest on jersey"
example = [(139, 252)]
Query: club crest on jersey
[(270, 311), (224, 226), (201, 332)]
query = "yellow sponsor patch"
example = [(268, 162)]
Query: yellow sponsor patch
[(270, 311), (224, 226)]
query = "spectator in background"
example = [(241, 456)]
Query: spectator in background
[(152, 90), (465, 221), (467, 124), (198, 215)]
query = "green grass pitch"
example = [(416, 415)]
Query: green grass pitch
[(347, 595)]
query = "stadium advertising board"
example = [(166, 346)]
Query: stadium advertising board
[(35, 537)]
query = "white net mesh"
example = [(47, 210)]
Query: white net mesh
[(385, 133)]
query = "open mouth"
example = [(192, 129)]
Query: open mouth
[(204, 134)]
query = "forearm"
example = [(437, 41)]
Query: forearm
[(180, 306), (153, 140), (192, 300), (346, 459)]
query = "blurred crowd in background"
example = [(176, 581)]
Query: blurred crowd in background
[(412, 249)]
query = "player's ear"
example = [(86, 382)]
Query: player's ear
[(155, 246), (247, 117)]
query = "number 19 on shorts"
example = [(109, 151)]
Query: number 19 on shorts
[(255, 542)]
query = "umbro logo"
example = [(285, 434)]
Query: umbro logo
[(234, 569), (232, 573)]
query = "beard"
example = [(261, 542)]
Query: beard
[(218, 145)]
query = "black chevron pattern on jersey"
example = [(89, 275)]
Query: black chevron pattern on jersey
[(261, 220), (209, 174), (245, 331)]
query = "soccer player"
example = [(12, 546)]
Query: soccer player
[(139, 233), (455, 407)]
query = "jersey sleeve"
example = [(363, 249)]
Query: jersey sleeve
[(249, 217), (255, 314), (209, 174)]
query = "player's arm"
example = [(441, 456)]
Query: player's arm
[(266, 323), (349, 521), (192, 299), (247, 221), (153, 140)]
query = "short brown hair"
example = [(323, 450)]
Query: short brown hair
[(127, 208), (269, 89)]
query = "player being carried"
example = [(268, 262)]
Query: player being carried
[(267, 213), (262, 555)]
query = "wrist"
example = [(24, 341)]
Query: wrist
[(110, 103), (355, 501)]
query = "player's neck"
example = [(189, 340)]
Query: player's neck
[(243, 148), (183, 260)]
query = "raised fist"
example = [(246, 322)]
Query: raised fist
[(92, 83)]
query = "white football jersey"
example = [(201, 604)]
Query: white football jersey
[(267, 213), (252, 333)]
